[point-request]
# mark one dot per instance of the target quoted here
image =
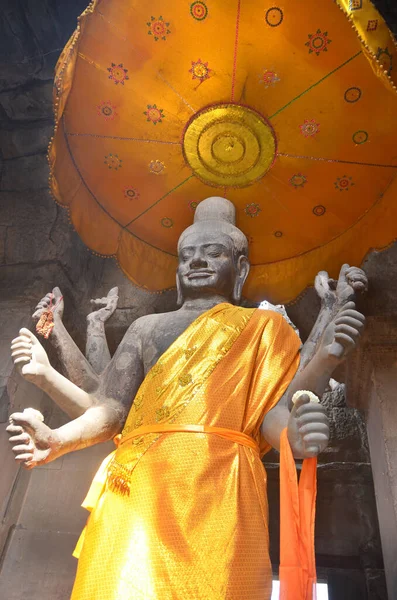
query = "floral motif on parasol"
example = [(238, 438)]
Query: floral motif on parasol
[(158, 108)]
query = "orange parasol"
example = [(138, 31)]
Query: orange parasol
[(288, 111)]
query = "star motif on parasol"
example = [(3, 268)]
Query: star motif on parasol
[(298, 180), (158, 28), (309, 128), (199, 11), (131, 194), (156, 167), (153, 114), (113, 161), (252, 210), (200, 70), (117, 73), (269, 78), (278, 234), (318, 42), (343, 184), (193, 205), (107, 110)]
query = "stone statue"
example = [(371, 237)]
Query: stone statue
[(197, 395)]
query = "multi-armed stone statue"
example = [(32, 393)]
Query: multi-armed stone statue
[(198, 395)]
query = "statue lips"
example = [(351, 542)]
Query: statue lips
[(200, 274)]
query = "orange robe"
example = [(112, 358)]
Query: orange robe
[(184, 515)]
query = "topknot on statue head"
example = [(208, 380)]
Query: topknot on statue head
[(219, 215)]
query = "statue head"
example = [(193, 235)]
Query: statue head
[(213, 254)]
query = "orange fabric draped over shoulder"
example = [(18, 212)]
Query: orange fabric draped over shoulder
[(183, 513)]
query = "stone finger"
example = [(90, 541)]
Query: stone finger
[(22, 449), (14, 429), (22, 360), (319, 417), (315, 439), (20, 338), (21, 345), (314, 428), (24, 457), (349, 321), (351, 313), (350, 331), (22, 352), (310, 407), (345, 340), (23, 438)]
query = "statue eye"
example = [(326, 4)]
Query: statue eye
[(214, 253)]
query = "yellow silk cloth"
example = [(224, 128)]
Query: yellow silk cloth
[(195, 524)]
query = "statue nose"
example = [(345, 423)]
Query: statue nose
[(198, 262)]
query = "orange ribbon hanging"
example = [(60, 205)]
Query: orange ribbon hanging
[(297, 519)]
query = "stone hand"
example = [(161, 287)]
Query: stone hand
[(33, 443), (53, 299), (342, 334), (30, 357), (352, 281), (104, 307), (308, 428), (325, 288)]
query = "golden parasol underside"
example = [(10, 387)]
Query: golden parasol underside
[(289, 112)]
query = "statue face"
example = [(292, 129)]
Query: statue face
[(206, 264)]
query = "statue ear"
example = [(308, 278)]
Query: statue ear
[(179, 295), (242, 270)]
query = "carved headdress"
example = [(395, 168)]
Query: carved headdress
[(218, 214)]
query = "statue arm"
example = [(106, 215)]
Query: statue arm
[(97, 350), (74, 364), (100, 416), (333, 296), (307, 422)]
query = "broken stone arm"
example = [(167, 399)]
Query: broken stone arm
[(333, 295)]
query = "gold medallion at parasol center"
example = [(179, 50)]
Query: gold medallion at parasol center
[(229, 145)]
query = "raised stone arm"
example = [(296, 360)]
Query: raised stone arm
[(73, 362), (81, 370), (334, 295), (97, 350)]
